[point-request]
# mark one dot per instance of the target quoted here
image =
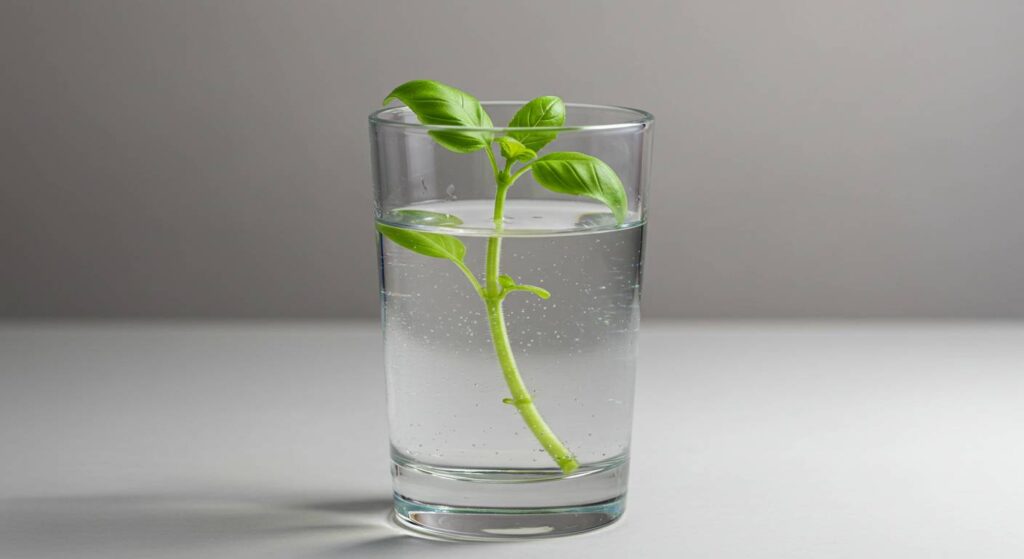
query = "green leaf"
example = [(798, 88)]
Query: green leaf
[(513, 149), (506, 281), (509, 284), (579, 174), (538, 291), (436, 103), (542, 111), (434, 245), (423, 217)]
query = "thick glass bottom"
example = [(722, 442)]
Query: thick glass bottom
[(507, 503), (505, 523)]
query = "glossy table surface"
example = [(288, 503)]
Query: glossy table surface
[(268, 439)]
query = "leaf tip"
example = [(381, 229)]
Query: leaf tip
[(620, 215)]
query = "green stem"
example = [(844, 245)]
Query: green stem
[(494, 162), (493, 288), (492, 296), (508, 168), (521, 171), (472, 279), (520, 394)]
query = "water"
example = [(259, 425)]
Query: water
[(463, 459)]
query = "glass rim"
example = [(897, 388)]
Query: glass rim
[(640, 118)]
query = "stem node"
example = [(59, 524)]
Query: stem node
[(516, 401)]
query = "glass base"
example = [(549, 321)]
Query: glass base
[(497, 524)]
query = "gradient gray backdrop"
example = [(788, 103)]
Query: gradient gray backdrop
[(813, 159)]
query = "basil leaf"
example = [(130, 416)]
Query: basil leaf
[(579, 174), (538, 291), (506, 281), (514, 150), (509, 284), (436, 103), (423, 217), (542, 111), (434, 245)]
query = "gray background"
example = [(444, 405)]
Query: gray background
[(814, 159)]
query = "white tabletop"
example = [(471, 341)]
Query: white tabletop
[(251, 440)]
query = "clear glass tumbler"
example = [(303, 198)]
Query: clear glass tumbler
[(510, 418)]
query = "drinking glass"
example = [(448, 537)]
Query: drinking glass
[(510, 420)]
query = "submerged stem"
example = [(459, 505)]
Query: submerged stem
[(472, 278), (520, 394), (492, 296)]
